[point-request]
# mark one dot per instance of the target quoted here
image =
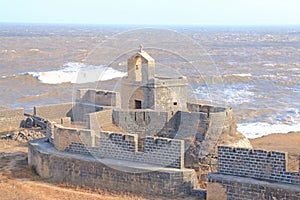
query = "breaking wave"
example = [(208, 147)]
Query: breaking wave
[(74, 72)]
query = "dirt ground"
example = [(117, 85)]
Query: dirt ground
[(18, 181), (289, 142)]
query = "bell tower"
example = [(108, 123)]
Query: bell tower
[(141, 67), (142, 89)]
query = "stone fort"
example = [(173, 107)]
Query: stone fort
[(148, 138)]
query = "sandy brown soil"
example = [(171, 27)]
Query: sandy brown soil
[(19, 181), (289, 142)]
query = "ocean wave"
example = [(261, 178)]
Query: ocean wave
[(229, 94), (259, 129), (73, 72), (243, 75)]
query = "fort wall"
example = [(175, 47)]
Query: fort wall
[(143, 122), (196, 107), (54, 112), (261, 164), (63, 136), (99, 97), (11, 119), (158, 151), (99, 119), (247, 173), (109, 174), (153, 150), (223, 187)]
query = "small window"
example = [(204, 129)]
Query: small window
[(138, 104), (175, 103)]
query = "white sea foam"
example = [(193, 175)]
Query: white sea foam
[(258, 129), (233, 95), (242, 75), (269, 65), (73, 72), (34, 50)]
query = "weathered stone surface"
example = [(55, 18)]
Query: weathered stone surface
[(11, 119), (260, 164), (254, 174), (108, 173), (248, 188)]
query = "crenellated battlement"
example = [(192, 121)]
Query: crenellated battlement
[(255, 163), (152, 150)]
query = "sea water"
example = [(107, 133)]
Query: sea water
[(259, 69)]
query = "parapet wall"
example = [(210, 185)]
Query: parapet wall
[(153, 150), (99, 119), (54, 112), (113, 175), (64, 136), (99, 97), (11, 119), (252, 174), (143, 122), (196, 107), (158, 151), (260, 164)]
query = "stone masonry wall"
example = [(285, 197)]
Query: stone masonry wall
[(63, 136), (54, 112), (158, 151), (85, 170), (266, 165), (11, 119), (223, 187), (98, 119), (252, 174), (143, 122), (195, 107), (99, 97), (50, 131)]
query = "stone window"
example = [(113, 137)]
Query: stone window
[(138, 104)]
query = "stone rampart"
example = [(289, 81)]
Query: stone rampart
[(261, 164), (99, 119), (143, 122), (54, 112), (107, 173), (253, 174), (11, 119), (158, 151), (64, 136), (223, 187), (99, 97), (196, 107)]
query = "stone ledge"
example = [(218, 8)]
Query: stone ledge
[(109, 173), (217, 177)]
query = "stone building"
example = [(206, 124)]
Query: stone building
[(149, 126), (143, 89)]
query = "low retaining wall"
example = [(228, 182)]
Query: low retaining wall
[(224, 187), (54, 112), (129, 177), (11, 119), (253, 174)]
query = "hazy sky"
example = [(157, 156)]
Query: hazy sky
[(151, 12)]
